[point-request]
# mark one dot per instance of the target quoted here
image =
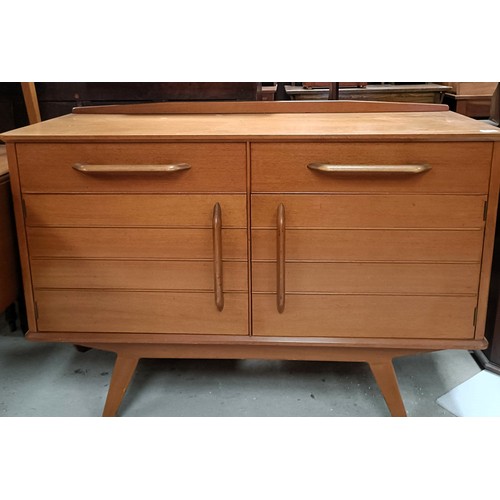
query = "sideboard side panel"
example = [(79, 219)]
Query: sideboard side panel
[(21, 236), (489, 239)]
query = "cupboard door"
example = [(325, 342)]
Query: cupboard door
[(385, 266), (132, 263)]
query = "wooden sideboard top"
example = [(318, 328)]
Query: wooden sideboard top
[(338, 126)]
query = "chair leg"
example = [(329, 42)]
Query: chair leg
[(384, 374), (122, 374)]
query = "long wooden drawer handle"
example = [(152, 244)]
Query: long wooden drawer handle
[(130, 169), (218, 276), (368, 169), (281, 258)]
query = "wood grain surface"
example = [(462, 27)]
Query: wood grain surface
[(371, 245), (455, 168), (48, 168), (489, 243), (134, 243), (370, 211), (389, 316), (136, 274), (22, 242), (200, 107), (385, 127), (193, 211), (133, 311), (362, 277)]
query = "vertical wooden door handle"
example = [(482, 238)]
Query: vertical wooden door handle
[(280, 258), (217, 237)]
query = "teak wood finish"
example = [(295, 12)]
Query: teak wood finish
[(301, 231)]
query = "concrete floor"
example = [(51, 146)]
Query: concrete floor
[(55, 380)]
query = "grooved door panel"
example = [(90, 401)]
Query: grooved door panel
[(136, 274), (392, 277), (371, 245), (134, 210), (365, 316), (134, 243), (370, 211), (139, 312)]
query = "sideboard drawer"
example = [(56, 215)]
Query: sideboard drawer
[(214, 167), (454, 167)]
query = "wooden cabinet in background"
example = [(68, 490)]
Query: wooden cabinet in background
[(302, 231), (471, 88), (9, 280), (423, 92), (471, 99)]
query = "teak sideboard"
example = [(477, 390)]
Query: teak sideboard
[(279, 230)]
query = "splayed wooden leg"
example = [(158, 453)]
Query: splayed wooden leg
[(122, 374), (384, 374)]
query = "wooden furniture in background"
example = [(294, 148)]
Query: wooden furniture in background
[(269, 92), (331, 87), (427, 93), (9, 277), (323, 85), (31, 101), (333, 91), (474, 106), (470, 98), (56, 98), (494, 117), (471, 88), (44, 100), (299, 231)]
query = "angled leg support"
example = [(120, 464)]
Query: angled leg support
[(123, 372), (384, 374)]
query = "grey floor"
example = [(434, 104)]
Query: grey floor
[(55, 380)]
